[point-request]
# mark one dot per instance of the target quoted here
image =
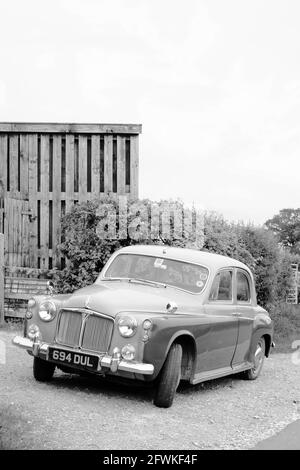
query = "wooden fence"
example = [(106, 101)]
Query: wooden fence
[(46, 168), (1, 279)]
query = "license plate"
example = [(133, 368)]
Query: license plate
[(71, 358)]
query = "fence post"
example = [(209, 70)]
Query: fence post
[(1, 279)]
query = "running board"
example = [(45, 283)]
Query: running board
[(215, 374)]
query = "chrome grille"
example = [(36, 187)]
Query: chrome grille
[(69, 328), (97, 333)]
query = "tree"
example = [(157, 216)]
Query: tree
[(286, 225)]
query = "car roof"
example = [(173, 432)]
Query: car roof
[(205, 258)]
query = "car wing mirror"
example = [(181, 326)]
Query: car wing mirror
[(50, 288)]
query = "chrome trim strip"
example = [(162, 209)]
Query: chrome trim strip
[(22, 342), (112, 363), (85, 313)]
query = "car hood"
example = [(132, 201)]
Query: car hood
[(113, 297)]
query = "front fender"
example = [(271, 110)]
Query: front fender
[(157, 348)]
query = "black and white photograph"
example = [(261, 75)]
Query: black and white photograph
[(149, 228)]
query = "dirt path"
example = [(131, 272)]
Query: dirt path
[(78, 413)]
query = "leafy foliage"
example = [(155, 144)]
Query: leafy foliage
[(286, 225), (87, 249)]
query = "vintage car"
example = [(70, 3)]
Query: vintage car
[(155, 314)]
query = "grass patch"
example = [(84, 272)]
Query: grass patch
[(12, 324), (286, 318)]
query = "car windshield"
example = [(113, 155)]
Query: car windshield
[(187, 276)]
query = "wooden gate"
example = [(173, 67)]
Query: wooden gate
[(46, 168)]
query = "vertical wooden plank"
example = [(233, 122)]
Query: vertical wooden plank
[(3, 178), (108, 148), (3, 159), (134, 166), (121, 164), (44, 201), (82, 168), (32, 196), (1, 279), (56, 198), (69, 171), (95, 165), (17, 229), (13, 164), (24, 164), (7, 239), (12, 233), (25, 235)]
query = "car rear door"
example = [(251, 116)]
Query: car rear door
[(244, 293)]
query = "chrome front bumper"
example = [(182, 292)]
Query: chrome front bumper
[(113, 363)]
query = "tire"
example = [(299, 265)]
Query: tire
[(169, 378), (42, 370), (258, 359)]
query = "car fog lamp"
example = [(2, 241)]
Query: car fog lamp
[(31, 303), (47, 311), (127, 326), (147, 324), (34, 332), (128, 352)]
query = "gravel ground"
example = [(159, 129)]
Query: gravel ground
[(73, 412)]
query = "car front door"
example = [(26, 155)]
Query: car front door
[(216, 348)]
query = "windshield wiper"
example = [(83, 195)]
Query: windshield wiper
[(115, 279), (146, 281)]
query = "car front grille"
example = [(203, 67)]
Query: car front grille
[(97, 333), (69, 328), (91, 332)]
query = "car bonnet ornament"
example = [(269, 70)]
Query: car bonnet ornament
[(86, 304)]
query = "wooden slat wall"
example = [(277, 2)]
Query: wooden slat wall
[(3, 177), (69, 172), (95, 165), (32, 207), (1, 279), (56, 198), (44, 204), (32, 199)]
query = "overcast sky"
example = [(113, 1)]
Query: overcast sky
[(215, 84)]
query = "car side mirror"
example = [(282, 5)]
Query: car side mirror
[(50, 288), (171, 307)]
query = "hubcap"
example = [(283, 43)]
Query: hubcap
[(258, 357)]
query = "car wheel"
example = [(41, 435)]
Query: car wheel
[(169, 378), (42, 370), (258, 360)]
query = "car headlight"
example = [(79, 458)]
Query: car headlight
[(128, 352), (47, 311), (127, 326)]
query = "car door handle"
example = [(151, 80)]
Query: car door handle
[(236, 314)]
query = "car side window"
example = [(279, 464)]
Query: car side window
[(242, 287), (222, 286)]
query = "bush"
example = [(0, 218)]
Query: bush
[(87, 251), (258, 249), (286, 318)]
